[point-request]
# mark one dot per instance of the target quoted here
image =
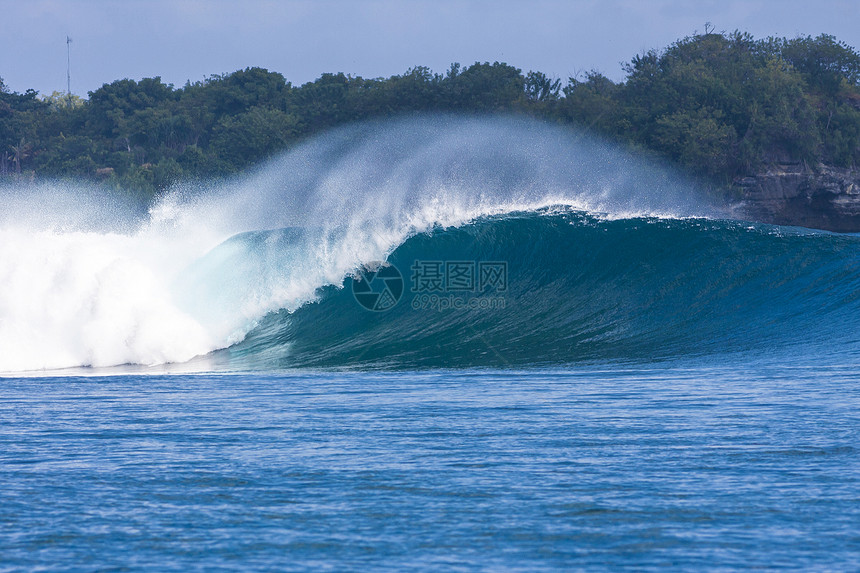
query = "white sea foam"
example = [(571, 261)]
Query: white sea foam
[(89, 280)]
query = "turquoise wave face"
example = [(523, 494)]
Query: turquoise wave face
[(488, 259), (558, 288)]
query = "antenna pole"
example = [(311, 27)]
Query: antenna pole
[(69, 69)]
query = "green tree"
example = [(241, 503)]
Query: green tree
[(540, 88), (484, 87), (252, 136), (59, 101), (698, 139), (824, 62), (113, 106), (324, 102), (594, 104), (69, 156), (234, 93), (20, 152), (782, 122), (719, 105)]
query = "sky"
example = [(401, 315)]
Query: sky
[(181, 40)]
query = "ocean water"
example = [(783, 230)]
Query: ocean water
[(710, 467), (437, 343)]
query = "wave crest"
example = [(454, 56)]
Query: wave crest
[(89, 280)]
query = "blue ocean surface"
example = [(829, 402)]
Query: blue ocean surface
[(690, 467), (456, 344)]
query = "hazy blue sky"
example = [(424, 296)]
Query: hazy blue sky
[(191, 39)]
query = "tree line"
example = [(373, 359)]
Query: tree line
[(719, 105)]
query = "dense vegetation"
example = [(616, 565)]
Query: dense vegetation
[(720, 105)]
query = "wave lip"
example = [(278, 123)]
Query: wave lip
[(92, 281), (581, 288)]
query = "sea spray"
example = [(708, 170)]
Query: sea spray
[(578, 289), (88, 299), (89, 280)]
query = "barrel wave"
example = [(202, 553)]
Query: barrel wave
[(594, 255), (583, 289)]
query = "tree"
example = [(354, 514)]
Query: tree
[(59, 101), (540, 88), (823, 62), (716, 104), (70, 156), (253, 135), (20, 152), (416, 90), (594, 104), (323, 102), (5, 159), (484, 87), (698, 139), (112, 107), (237, 92)]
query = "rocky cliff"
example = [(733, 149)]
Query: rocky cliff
[(793, 194)]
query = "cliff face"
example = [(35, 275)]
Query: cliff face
[(791, 194)]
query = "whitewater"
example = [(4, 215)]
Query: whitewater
[(92, 279), (436, 343), (609, 257)]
